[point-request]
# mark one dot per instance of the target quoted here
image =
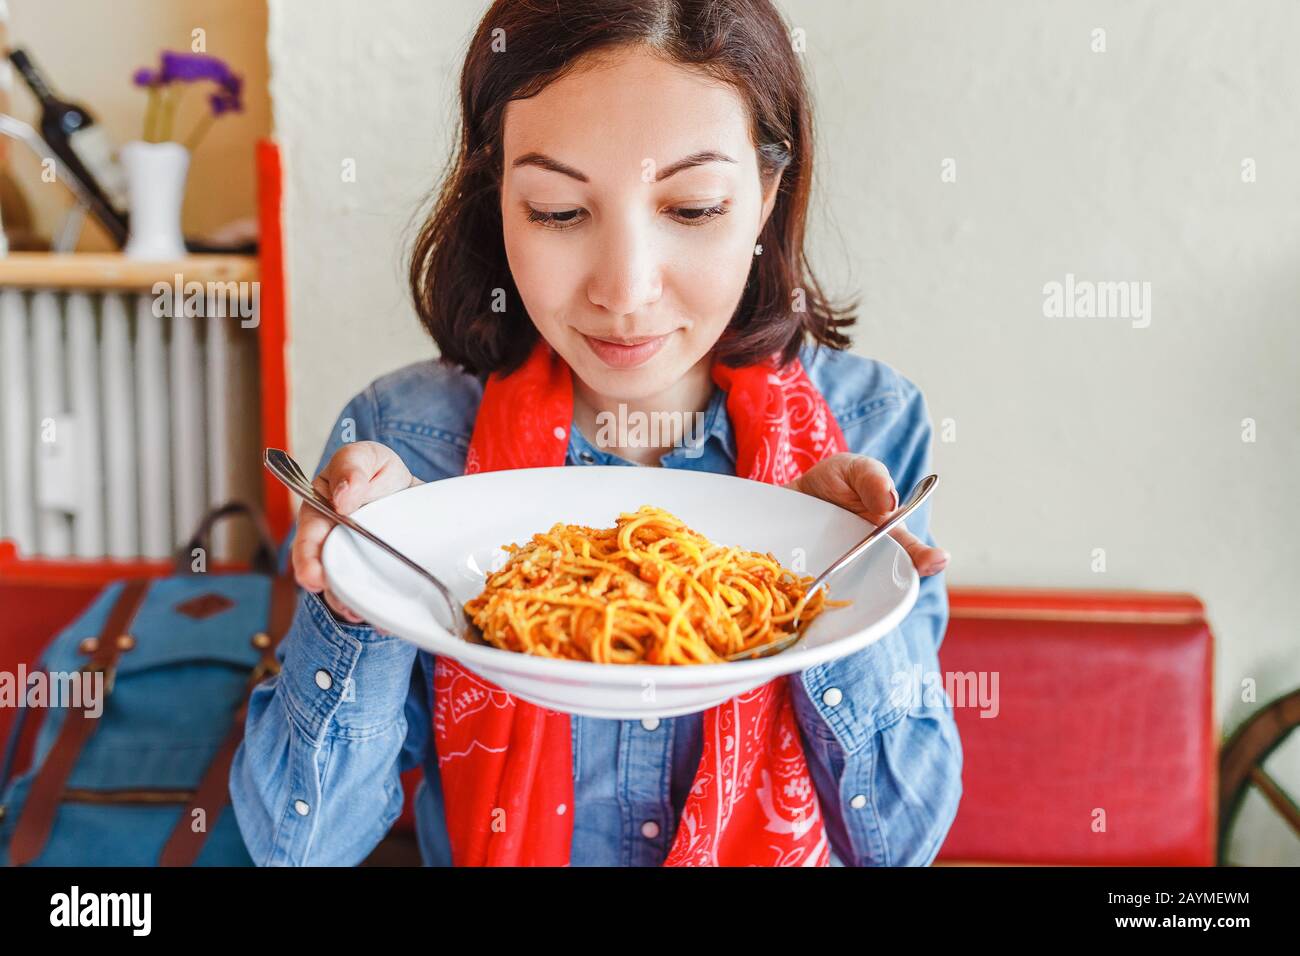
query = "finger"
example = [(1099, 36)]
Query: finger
[(307, 543), (928, 559), (871, 482), (356, 474), (361, 473)]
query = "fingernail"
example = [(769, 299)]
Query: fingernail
[(893, 497)]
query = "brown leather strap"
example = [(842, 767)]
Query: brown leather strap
[(42, 805), (284, 599), (264, 558), (213, 793)]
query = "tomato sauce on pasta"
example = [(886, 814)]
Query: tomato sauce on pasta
[(647, 591)]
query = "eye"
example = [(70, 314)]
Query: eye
[(563, 219), (699, 214), (568, 218)]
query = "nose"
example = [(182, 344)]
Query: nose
[(627, 276)]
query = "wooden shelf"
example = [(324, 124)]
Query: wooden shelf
[(112, 270)]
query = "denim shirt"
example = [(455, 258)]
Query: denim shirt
[(316, 779)]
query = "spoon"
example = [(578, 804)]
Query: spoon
[(282, 465), (918, 495)]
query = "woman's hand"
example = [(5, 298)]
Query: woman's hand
[(358, 474), (862, 485)]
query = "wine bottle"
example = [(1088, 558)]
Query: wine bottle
[(83, 147)]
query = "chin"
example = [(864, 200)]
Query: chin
[(628, 385)]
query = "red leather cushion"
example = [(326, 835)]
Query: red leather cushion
[(1104, 704)]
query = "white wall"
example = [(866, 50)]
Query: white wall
[(1071, 434)]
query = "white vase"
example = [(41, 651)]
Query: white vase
[(155, 182)]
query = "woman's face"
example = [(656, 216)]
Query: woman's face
[(631, 204)]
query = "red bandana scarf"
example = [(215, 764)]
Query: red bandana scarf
[(506, 765)]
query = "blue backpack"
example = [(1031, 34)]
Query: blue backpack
[(137, 774)]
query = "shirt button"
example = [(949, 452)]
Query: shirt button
[(649, 829), (301, 807), (858, 802), (587, 457), (323, 680), (832, 696), (559, 433), (650, 723)]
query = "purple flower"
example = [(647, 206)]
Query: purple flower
[(179, 67), (188, 67), (226, 99), (224, 104)]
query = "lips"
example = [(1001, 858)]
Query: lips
[(626, 353)]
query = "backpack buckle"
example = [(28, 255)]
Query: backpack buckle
[(265, 668), (123, 643)]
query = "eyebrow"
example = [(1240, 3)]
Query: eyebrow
[(542, 161)]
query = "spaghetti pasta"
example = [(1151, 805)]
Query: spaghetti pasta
[(647, 591)]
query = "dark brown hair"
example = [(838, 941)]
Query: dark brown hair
[(459, 257)]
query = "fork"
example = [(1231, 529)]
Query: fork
[(914, 500), (281, 464)]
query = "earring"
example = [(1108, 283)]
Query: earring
[(758, 249)]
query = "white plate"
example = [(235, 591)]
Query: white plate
[(456, 527)]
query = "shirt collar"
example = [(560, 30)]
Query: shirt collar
[(717, 423)]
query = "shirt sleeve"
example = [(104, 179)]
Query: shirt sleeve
[(879, 735), (316, 779)]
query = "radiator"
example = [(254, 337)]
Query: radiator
[(123, 416)]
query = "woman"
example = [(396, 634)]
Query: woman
[(621, 233)]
